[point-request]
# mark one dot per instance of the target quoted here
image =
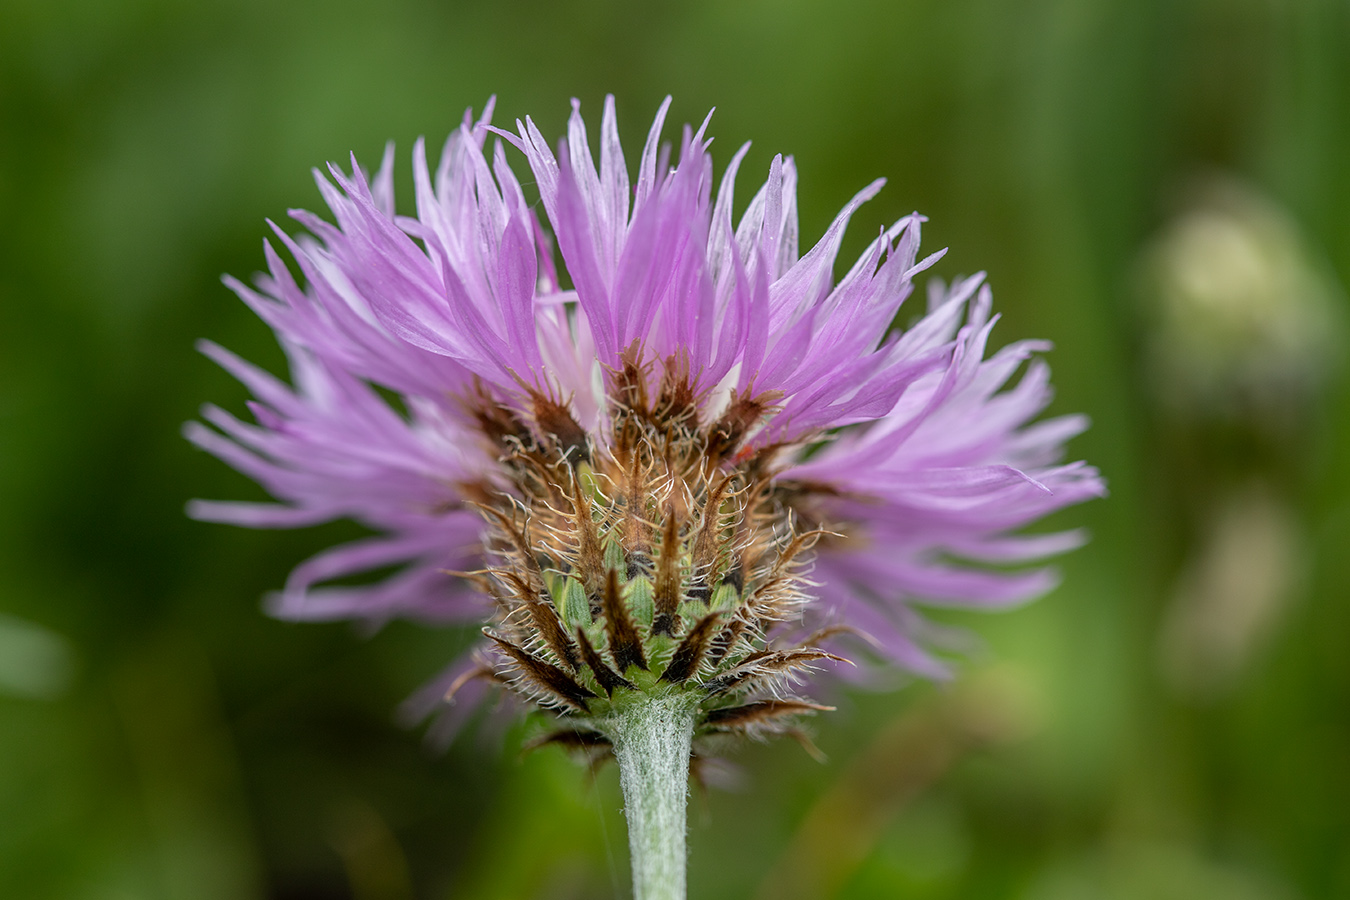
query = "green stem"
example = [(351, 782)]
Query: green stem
[(652, 744)]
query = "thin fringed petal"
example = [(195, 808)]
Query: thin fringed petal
[(334, 449), (255, 515), (417, 592), (453, 696), (382, 185), (647, 173)]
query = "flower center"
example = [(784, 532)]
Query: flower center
[(656, 559)]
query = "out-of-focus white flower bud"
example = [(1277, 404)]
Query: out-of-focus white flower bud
[(1241, 312), (1233, 592)]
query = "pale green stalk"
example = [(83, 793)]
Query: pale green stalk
[(652, 739)]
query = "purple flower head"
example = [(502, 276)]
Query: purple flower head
[(699, 468)]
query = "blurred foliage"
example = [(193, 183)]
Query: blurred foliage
[(1170, 723)]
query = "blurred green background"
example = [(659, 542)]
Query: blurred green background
[(1160, 187)]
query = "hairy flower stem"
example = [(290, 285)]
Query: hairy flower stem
[(652, 740)]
